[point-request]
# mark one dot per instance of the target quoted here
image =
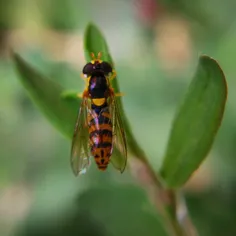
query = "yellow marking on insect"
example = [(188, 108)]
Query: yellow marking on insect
[(87, 82), (98, 101)]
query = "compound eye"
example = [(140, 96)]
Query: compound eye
[(88, 68), (106, 67)]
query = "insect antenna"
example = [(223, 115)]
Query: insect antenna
[(99, 55), (92, 55)]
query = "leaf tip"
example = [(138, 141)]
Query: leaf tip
[(90, 25), (209, 63)]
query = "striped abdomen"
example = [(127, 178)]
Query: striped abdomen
[(100, 134)]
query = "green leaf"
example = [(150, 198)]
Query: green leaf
[(95, 42), (70, 94), (47, 95), (196, 123)]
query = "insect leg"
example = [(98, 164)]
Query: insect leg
[(116, 94), (113, 76), (80, 95), (83, 76), (85, 94), (119, 94)]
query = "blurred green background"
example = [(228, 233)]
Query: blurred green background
[(155, 45)]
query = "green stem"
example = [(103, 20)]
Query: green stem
[(170, 205)]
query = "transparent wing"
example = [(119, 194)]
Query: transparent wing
[(119, 157), (80, 152)]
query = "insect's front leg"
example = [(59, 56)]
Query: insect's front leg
[(113, 76), (119, 94), (85, 94), (112, 92), (83, 76)]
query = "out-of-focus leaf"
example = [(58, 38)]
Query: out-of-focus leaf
[(95, 42), (54, 12), (124, 212), (110, 209), (69, 94), (47, 95), (75, 223), (196, 123)]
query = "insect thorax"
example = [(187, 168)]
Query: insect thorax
[(98, 87)]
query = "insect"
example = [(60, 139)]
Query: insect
[(99, 125)]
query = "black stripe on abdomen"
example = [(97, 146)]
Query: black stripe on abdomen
[(101, 118), (100, 132), (102, 145)]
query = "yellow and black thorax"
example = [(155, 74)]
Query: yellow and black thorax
[(98, 90), (98, 84)]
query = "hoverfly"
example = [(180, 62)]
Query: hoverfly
[(99, 125)]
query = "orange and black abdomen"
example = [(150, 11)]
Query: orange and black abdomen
[(100, 134)]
